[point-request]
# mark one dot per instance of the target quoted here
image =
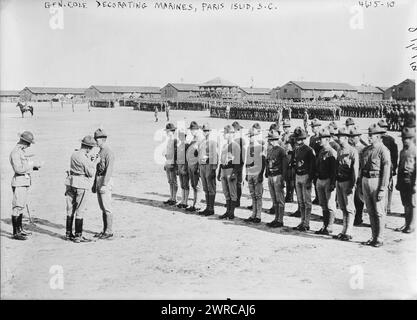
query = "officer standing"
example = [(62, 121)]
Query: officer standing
[(288, 142), (242, 147), (193, 166), (167, 110), (170, 166), (155, 111), (406, 180), (304, 160), (78, 181), (183, 174), (21, 182), (276, 171), (389, 142), (326, 181), (305, 121), (104, 183), (316, 146), (347, 170), (208, 159), (228, 171), (255, 167), (375, 166)]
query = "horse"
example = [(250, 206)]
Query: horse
[(24, 108)]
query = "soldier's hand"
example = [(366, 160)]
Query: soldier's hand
[(380, 195), (397, 187), (332, 187), (219, 178)]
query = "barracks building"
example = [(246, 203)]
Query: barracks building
[(51, 93), (180, 91)]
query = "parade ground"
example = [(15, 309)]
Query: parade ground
[(161, 252)]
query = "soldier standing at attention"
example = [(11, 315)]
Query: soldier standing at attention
[(167, 110), (155, 112), (288, 143), (354, 141), (347, 170), (406, 180), (305, 121), (326, 182), (242, 147), (171, 163), (104, 183), (389, 142), (375, 165), (255, 167), (208, 159), (316, 146), (82, 169), (228, 171), (349, 125), (276, 171), (278, 119), (182, 169), (193, 166), (304, 160), (21, 182)]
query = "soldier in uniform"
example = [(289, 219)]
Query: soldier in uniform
[(183, 169), (82, 169), (304, 160), (305, 121), (288, 143), (228, 171), (103, 183), (326, 182), (155, 112), (354, 141), (208, 159), (406, 180), (347, 168), (21, 181), (193, 166), (170, 166), (375, 164), (167, 110), (276, 171), (255, 167), (316, 146), (349, 125), (242, 147), (389, 142)]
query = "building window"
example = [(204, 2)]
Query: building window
[(296, 89), (400, 89), (285, 90)]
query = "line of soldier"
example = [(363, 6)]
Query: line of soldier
[(343, 170), (398, 114), (85, 165), (150, 105)]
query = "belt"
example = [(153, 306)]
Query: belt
[(370, 174), (76, 174)]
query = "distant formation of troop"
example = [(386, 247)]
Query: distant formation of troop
[(345, 171)]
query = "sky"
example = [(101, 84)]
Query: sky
[(297, 40)]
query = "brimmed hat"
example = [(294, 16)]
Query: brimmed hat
[(343, 132), (383, 123), (333, 125), (88, 141), (375, 129), (300, 133), (354, 132), (273, 126), (324, 133), (286, 123), (315, 123), (99, 133), (410, 122), (28, 137), (170, 127), (256, 126), (273, 136), (349, 122), (228, 129), (194, 125), (236, 125), (408, 132), (206, 127)]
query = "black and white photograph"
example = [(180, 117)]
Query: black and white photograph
[(208, 150)]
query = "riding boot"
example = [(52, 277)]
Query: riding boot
[(226, 214), (207, 205), (232, 210), (15, 225), (239, 194), (210, 210), (79, 231), (21, 231), (109, 230), (68, 234)]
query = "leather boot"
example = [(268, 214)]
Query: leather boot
[(226, 214), (207, 205), (104, 216), (20, 223), (16, 234), (68, 234), (79, 231), (231, 215), (109, 228)]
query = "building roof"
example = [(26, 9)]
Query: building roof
[(256, 90), (52, 90), (369, 89), (411, 80), (307, 85), (185, 86), (126, 89), (384, 88), (9, 93), (218, 82)]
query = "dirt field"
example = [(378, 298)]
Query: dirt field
[(161, 252)]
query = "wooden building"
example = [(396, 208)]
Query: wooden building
[(405, 90), (258, 94), (275, 93), (178, 91), (51, 93), (9, 96), (120, 92), (219, 88), (369, 93), (304, 90), (387, 92)]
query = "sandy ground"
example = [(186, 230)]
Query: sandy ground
[(161, 252)]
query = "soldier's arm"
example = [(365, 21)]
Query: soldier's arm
[(311, 163), (385, 169), (394, 157), (19, 166), (284, 163), (355, 169), (332, 169), (110, 165)]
